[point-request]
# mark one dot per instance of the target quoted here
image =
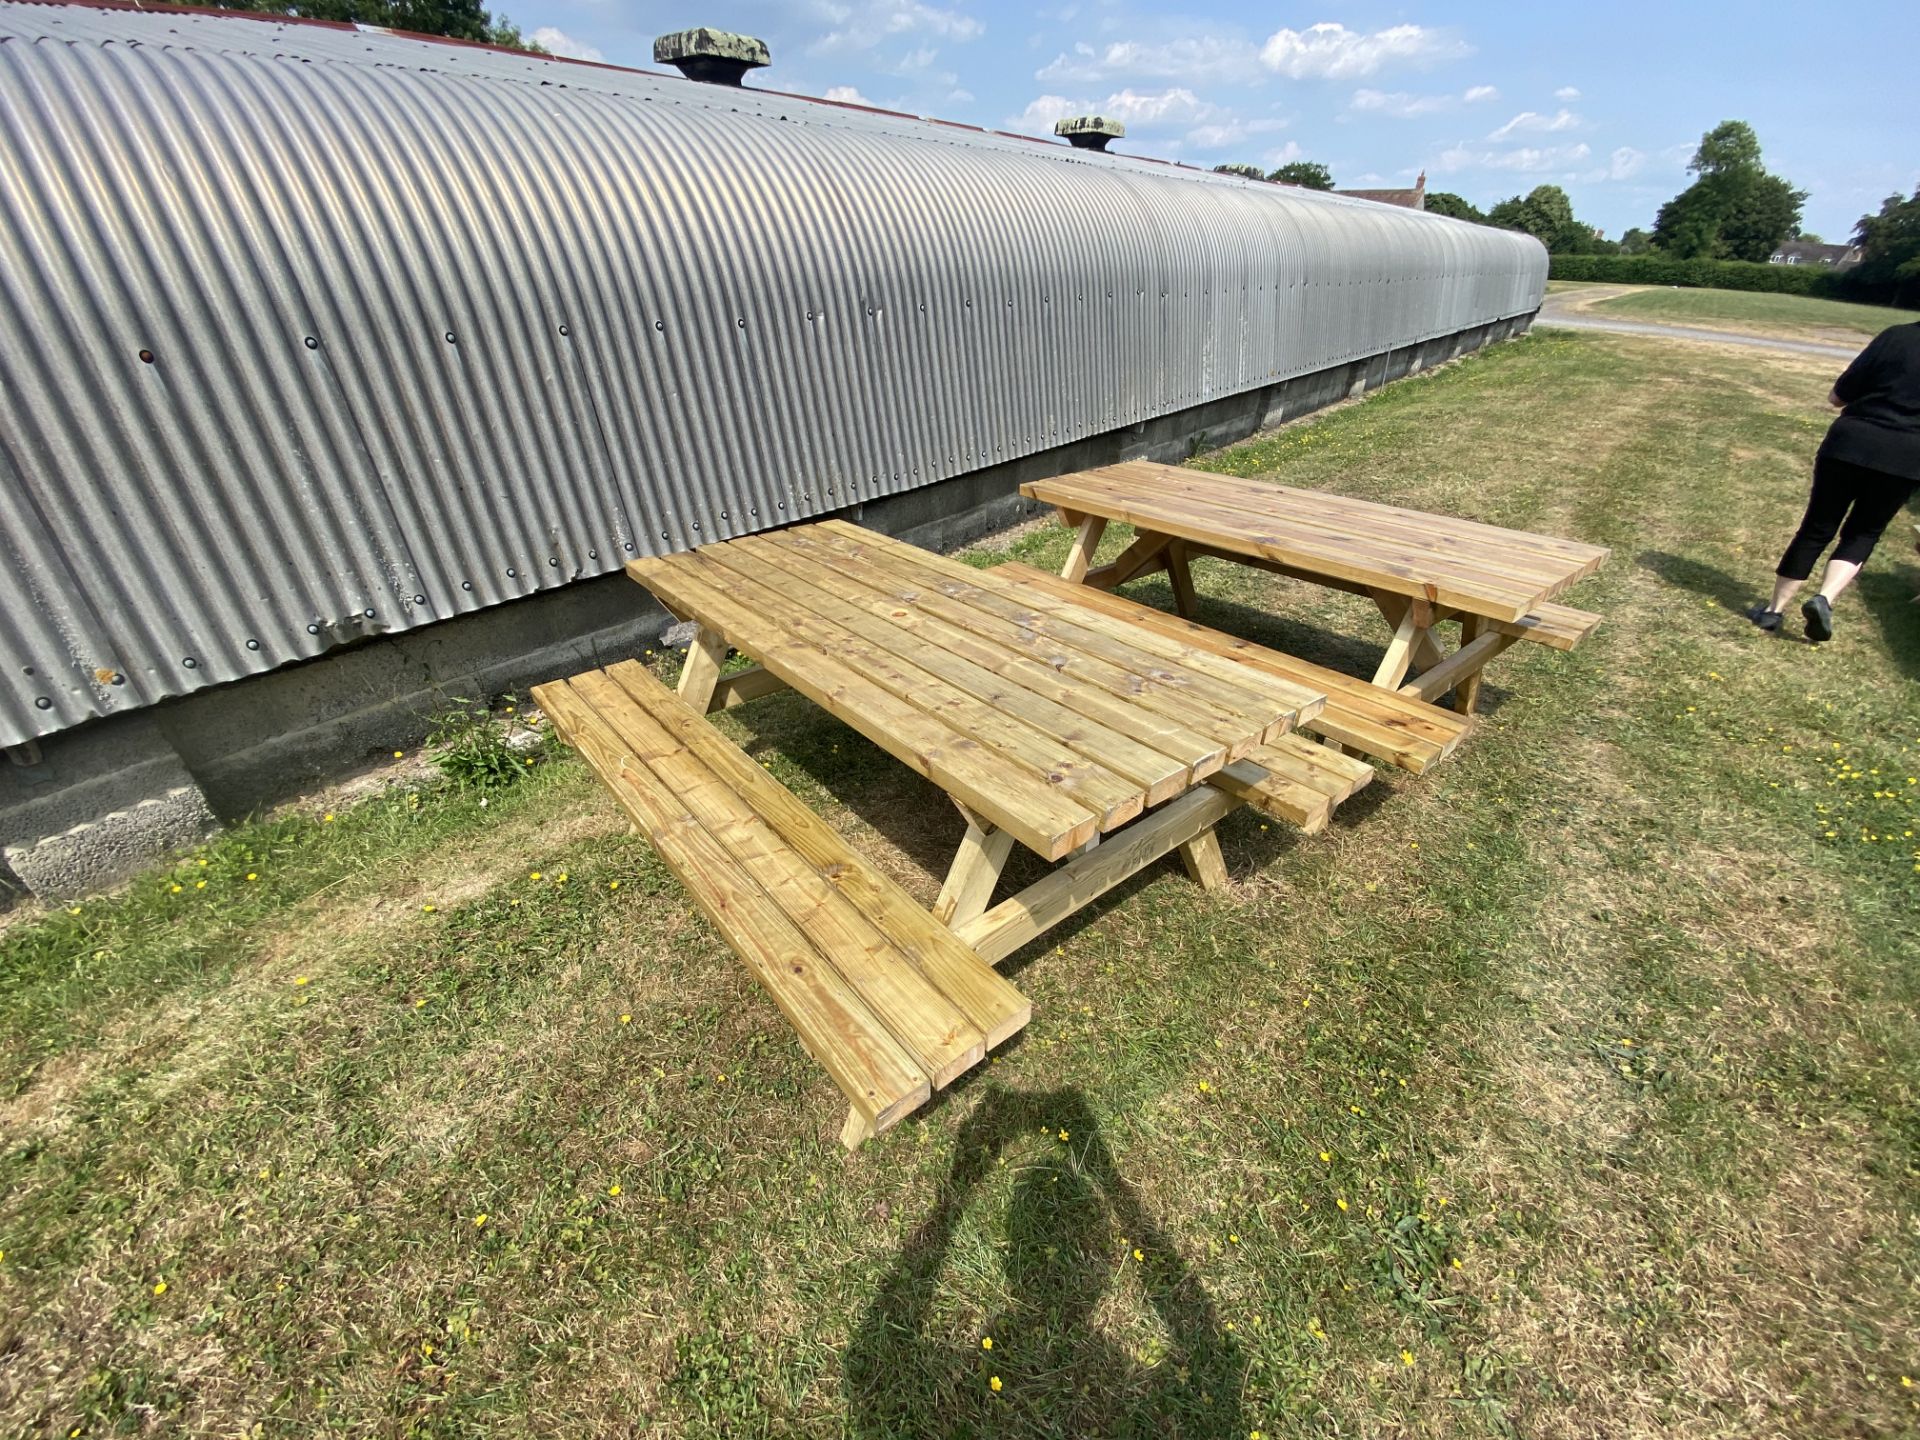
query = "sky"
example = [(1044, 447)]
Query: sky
[(1607, 100)]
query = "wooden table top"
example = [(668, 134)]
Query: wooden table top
[(1053, 721), (1459, 564)]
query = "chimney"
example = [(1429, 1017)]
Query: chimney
[(712, 57), (1089, 132)]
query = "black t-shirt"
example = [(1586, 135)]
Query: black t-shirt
[(1880, 427)]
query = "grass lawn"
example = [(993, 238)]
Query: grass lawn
[(1794, 317), (1569, 1090)]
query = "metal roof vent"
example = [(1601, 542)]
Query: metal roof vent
[(713, 57), (1089, 132)]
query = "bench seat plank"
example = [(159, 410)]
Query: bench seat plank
[(889, 1003), (1408, 733)]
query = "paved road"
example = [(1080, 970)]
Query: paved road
[(1563, 309)]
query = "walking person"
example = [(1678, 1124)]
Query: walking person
[(1867, 468)]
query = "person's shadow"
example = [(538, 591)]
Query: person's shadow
[(1072, 1229)]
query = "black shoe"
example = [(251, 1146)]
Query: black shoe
[(1767, 620), (1819, 619)]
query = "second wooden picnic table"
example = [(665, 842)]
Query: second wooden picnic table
[(1046, 722), (1420, 569)]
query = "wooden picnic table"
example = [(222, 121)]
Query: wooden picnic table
[(1420, 569), (1046, 722)]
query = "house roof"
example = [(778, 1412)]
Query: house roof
[(1413, 199)]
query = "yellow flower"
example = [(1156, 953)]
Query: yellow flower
[(613, 1189), (1341, 1201), (1327, 1155), (1232, 1239), (199, 884), (252, 875), (1406, 1357), (1456, 1262), (1205, 1088), (533, 874), (626, 1019), (326, 819), (173, 890), (986, 1342), (613, 885), (1063, 1137), (303, 980), (427, 908), (561, 878), (1138, 1255), (421, 1001), (399, 754), (160, 1288), (479, 1220), (993, 1383)]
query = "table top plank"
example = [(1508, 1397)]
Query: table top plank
[(944, 687), (1165, 719), (1461, 564), (1313, 542), (1128, 671), (1036, 813), (1031, 691), (1224, 683), (1421, 522), (1053, 721)]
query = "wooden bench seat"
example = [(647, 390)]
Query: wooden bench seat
[(888, 1001), (1560, 626), (1401, 730), (1294, 780)]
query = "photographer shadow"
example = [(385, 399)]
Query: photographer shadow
[(1072, 1230)]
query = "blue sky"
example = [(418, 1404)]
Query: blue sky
[(1605, 99)]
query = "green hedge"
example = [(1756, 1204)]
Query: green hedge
[(1701, 274)]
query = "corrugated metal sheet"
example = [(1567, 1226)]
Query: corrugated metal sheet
[(311, 333)]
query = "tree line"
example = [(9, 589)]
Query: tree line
[(456, 19), (1734, 209)]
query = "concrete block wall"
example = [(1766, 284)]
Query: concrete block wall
[(82, 810)]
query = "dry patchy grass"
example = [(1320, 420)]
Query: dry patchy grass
[(1565, 1091)]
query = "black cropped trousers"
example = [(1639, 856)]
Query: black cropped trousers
[(1856, 503)]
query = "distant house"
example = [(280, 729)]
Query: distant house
[(1414, 199), (1800, 252)]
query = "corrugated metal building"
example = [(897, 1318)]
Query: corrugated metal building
[(310, 333)]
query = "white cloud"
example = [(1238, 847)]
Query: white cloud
[(1231, 131), (867, 23), (1567, 92), (1165, 109), (1208, 59), (1531, 122), (1330, 51), (1527, 159), (847, 95), (1623, 164), (1400, 105), (558, 42), (1285, 155)]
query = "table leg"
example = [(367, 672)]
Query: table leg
[(1415, 619), (701, 674), (857, 1129), (1182, 578), (1205, 865), (975, 871), (1147, 554), (1085, 541), (1466, 694)]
